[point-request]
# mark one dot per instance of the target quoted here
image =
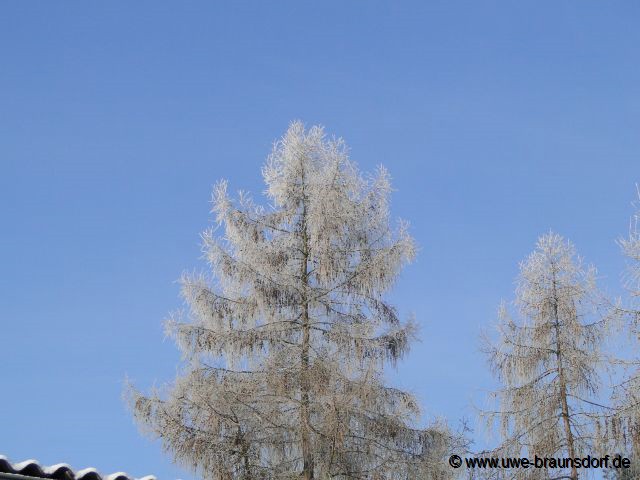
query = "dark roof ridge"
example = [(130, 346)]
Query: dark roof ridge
[(59, 471)]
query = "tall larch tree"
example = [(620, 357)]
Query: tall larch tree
[(285, 340), (547, 360)]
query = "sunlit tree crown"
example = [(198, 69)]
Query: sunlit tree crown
[(286, 339)]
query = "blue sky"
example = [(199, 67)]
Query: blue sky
[(497, 121)]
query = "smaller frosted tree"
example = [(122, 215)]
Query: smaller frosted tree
[(622, 429), (547, 360)]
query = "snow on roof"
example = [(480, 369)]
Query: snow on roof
[(60, 471)]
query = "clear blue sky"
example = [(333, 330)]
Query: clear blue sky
[(497, 120)]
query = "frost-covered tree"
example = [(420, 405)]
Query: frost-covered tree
[(547, 360), (285, 341), (623, 427)]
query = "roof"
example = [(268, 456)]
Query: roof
[(60, 471)]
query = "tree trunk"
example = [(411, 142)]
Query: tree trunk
[(563, 390), (305, 420)]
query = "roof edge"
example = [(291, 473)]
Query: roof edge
[(17, 476)]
